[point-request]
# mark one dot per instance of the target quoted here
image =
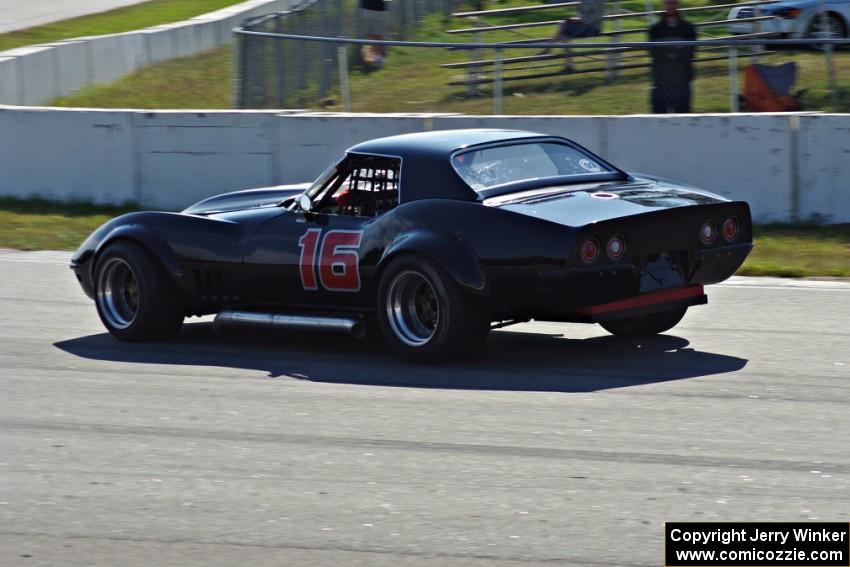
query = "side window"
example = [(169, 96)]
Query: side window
[(365, 186)]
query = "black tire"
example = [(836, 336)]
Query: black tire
[(834, 25), (135, 297), (425, 316), (645, 325)]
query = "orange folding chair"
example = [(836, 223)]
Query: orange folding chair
[(768, 88)]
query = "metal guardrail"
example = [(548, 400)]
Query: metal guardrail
[(342, 56), (617, 18), (620, 16), (542, 44), (525, 9), (713, 23)]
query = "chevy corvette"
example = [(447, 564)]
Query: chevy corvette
[(433, 239)]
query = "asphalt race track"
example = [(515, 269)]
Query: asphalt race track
[(558, 445)]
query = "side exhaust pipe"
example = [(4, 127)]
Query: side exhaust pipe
[(353, 327)]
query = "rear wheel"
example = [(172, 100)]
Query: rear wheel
[(644, 325), (425, 316), (135, 298)]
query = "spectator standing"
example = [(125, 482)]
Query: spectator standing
[(587, 24), (672, 67)]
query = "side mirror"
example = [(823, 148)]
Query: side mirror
[(305, 203)]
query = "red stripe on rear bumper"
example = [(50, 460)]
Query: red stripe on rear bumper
[(651, 298)]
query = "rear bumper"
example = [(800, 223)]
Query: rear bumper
[(645, 304), (635, 306), (591, 294), (575, 288)]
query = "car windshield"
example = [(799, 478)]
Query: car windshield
[(500, 165)]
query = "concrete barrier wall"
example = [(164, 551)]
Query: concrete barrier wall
[(39, 74), (824, 167), (787, 166), (8, 79), (184, 157), (35, 73), (81, 155), (71, 66)]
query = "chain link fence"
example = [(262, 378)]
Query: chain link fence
[(276, 74), (305, 58)]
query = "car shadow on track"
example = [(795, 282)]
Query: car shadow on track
[(510, 360)]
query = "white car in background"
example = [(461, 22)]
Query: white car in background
[(794, 19)]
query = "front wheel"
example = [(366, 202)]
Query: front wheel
[(424, 314), (135, 298), (644, 325)]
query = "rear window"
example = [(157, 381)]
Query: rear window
[(500, 165)]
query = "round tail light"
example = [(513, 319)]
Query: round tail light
[(730, 229), (708, 232), (616, 247), (589, 250)]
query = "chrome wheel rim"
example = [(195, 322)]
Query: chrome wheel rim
[(118, 293), (412, 307)]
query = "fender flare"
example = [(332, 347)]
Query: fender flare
[(450, 251), (148, 238)]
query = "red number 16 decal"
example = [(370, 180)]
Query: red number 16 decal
[(338, 262)]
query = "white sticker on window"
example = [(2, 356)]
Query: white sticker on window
[(589, 165)]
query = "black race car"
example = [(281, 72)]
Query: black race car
[(435, 238)]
